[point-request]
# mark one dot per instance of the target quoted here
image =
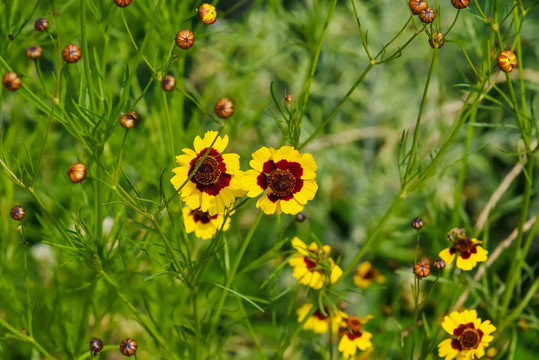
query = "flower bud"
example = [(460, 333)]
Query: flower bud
[(507, 61), (77, 172), (41, 24), (417, 223), (11, 81), (129, 120), (71, 53), (168, 83), (437, 40), (128, 347), (417, 5), (185, 39), (422, 269), (34, 52), (300, 217), (224, 108), (439, 264), (96, 345), (427, 15), (460, 4), (17, 212), (122, 3), (207, 13)]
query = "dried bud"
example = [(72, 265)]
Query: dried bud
[(11, 81), (168, 83), (41, 24), (77, 172), (422, 269), (417, 223), (34, 52), (129, 120), (122, 3), (507, 61), (437, 40), (427, 15), (71, 53), (96, 345), (17, 212), (439, 264), (128, 347), (185, 39), (207, 13), (224, 108), (300, 217)]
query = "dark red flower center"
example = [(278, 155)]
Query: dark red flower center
[(281, 182), (468, 337), (208, 173), (465, 246), (211, 176), (202, 216), (282, 179), (354, 323), (318, 313)]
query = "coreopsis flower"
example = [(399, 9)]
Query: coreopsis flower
[(353, 338), (217, 181), (470, 336), (288, 177), (321, 321), (365, 274), (313, 266), (202, 223), (469, 252)]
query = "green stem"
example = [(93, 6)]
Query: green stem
[(30, 339)]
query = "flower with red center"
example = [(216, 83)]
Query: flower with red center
[(217, 180), (313, 266), (353, 338), (321, 321), (365, 274), (470, 336), (287, 175), (470, 253), (202, 223)]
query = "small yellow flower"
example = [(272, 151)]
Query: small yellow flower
[(353, 338), (470, 253), (470, 336), (216, 183), (202, 223), (288, 177), (365, 274), (313, 266), (320, 322)]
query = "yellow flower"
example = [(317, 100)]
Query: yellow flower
[(470, 336), (216, 183), (288, 176), (312, 266), (365, 274), (202, 223), (353, 338), (469, 253), (320, 322)]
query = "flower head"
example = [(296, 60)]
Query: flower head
[(321, 321), (469, 252), (353, 338), (202, 223), (288, 177), (470, 336), (313, 266), (365, 274), (217, 181)]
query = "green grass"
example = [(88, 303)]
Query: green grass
[(398, 130)]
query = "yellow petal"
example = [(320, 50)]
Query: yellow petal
[(445, 349), (336, 273), (267, 206), (466, 264), (260, 157), (300, 246), (452, 321), (446, 256), (290, 206)]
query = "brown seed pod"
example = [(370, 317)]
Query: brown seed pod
[(417, 5), (417, 223), (122, 3), (128, 347), (129, 120), (460, 4), (71, 53), (41, 24), (437, 40), (224, 108), (17, 212), (34, 52), (96, 345), (427, 15), (168, 83), (422, 269), (507, 60), (207, 14), (77, 172), (11, 81), (185, 39)]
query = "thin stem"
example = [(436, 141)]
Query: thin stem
[(30, 339)]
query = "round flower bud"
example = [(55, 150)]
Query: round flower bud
[(129, 120), (288, 98), (224, 108), (439, 264), (41, 24), (207, 13), (168, 83), (96, 345), (455, 234), (300, 217), (417, 223), (128, 347), (122, 3), (17, 212), (422, 269), (34, 52), (11, 81), (460, 4), (185, 39), (437, 40), (507, 61), (71, 53), (427, 15), (417, 5), (77, 172)]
